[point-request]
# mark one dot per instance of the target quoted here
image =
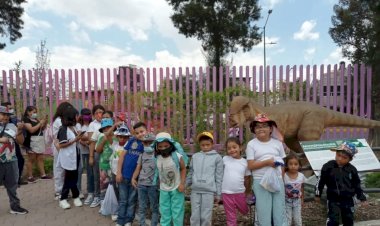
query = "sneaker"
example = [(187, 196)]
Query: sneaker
[(22, 182), (31, 180), (128, 224), (77, 202), (18, 210), (57, 196), (81, 196), (114, 217), (46, 177), (64, 204), (95, 203), (89, 199)]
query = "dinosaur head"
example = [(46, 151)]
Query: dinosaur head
[(241, 111)]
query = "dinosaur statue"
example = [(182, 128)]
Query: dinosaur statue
[(296, 121)]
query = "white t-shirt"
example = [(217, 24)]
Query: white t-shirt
[(94, 129), (168, 172), (67, 157), (56, 125), (234, 172), (117, 150), (293, 187), (259, 151)]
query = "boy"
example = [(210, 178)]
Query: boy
[(9, 134), (125, 168), (205, 178), (343, 182), (144, 181)]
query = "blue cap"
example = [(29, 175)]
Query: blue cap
[(106, 122)]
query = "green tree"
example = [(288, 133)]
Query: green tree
[(10, 20), (221, 25), (356, 28)]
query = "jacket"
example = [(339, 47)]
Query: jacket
[(206, 173), (342, 183)]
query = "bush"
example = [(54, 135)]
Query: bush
[(373, 180), (48, 163)]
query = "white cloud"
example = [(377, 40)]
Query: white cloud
[(309, 53), (306, 32), (270, 4), (31, 23), (335, 57), (78, 34), (23, 54)]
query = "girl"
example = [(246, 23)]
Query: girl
[(293, 190), (58, 171), (68, 157), (172, 180), (264, 152), (236, 181), (34, 142), (82, 126)]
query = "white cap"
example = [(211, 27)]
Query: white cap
[(163, 135)]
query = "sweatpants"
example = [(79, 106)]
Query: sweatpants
[(59, 172), (233, 203), (9, 177), (172, 207), (70, 183), (201, 208), (344, 209), (270, 205)]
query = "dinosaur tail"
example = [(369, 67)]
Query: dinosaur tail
[(338, 119)]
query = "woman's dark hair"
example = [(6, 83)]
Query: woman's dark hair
[(28, 109), (69, 117), (61, 110), (290, 157), (234, 140), (96, 107), (85, 111), (252, 125), (109, 112)]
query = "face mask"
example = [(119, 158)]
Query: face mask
[(166, 152), (148, 149), (86, 118), (34, 115)]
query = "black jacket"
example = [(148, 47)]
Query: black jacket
[(342, 182)]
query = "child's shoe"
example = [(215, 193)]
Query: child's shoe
[(96, 202), (89, 199), (31, 180), (81, 196), (128, 224), (64, 204), (114, 217), (57, 196), (77, 202)]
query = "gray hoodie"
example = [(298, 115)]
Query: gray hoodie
[(206, 173)]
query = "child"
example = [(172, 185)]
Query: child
[(146, 185), (205, 177), (82, 126), (262, 154), (125, 169), (93, 199), (172, 173), (68, 157), (343, 182), (104, 148), (293, 181), (236, 181)]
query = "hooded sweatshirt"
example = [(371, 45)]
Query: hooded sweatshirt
[(206, 173)]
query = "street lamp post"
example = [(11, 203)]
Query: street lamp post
[(265, 61)]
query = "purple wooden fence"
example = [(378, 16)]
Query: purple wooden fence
[(139, 93)]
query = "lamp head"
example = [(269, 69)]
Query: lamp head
[(270, 11)]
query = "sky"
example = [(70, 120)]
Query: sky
[(98, 34)]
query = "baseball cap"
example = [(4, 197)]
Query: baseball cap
[(348, 148), (205, 134)]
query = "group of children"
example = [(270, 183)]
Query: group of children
[(146, 168)]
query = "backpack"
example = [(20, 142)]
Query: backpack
[(48, 135)]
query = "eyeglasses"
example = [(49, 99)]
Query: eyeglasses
[(262, 127)]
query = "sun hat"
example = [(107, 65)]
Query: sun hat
[(106, 122), (348, 148), (123, 130), (5, 110), (149, 137), (205, 134)]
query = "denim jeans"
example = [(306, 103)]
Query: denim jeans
[(293, 211), (127, 202), (148, 193), (90, 176), (93, 177)]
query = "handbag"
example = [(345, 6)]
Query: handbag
[(37, 143)]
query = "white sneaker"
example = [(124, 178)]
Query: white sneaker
[(128, 224), (96, 202), (57, 196), (114, 217), (89, 199), (64, 204), (77, 202), (81, 196)]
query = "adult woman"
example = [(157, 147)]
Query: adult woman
[(263, 152), (34, 142)]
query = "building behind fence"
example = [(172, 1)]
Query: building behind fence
[(186, 101)]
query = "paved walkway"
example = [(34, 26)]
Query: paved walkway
[(38, 198)]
